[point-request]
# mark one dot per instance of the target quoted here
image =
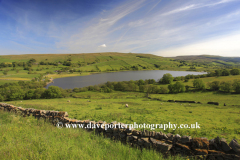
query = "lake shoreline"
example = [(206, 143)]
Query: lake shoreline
[(100, 78)]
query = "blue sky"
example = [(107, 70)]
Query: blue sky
[(160, 27)]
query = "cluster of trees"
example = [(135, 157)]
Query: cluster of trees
[(151, 86), (167, 78), (30, 90), (139, 85), (48, 63), (34, 89), (224, 72), (225, 86)]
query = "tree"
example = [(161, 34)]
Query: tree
[(171, 88), (107, 90), (119, 86), (53, 92), (199, 84), (39, 93), (176, 88), (166, 79), (5, 72), (150, 81), (14, 64), (215, 85), (235, 71), (141, 82), (1, 98), (177, 79), (236, 86), (29, 94), (32, 60), (132, 87), (14, 93), (179, 87), (225, 72), (218, 73), (163, 90), (76, 89), (210, 74), (226, 86)]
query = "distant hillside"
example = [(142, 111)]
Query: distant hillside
[(110, 61), (29, 66), (210, 58)]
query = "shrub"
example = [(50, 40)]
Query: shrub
[(150, 81), (187, 87), (39, 93), (236, 86), (163, 90), (1, 98), (177, 79), (199, 84), (29, 94), (76, 89), (107, 90), (210, 74), (166, 79), (226, 86), (84, 89), (215, 85), (141, 88), (53, 92), (179, 87), (176, 88), (97, 88), (141, 82), (5, 72), (218, 73), (225, 72), (235, 71), (14, 93)]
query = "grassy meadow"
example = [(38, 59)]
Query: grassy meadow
[(223, 121), (28, 138)]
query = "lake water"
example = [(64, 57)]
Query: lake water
[(94, 79)]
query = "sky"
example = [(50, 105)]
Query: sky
[(160, 27)]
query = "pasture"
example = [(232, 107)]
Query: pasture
[(28, 138), (223, 121)]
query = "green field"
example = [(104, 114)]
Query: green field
[(223, 121), (28, 138)]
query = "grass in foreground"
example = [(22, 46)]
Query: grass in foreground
[(28, 138)]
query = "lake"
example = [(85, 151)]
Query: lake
[(94, 79)]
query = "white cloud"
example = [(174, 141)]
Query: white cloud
[(180, 10), (98, 29), (224, 46), (136, 23), (103, 45), (196, 6), (135, 26)]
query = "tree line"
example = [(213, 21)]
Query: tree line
[(167, 84)]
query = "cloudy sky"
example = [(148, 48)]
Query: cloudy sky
[(160, 27)]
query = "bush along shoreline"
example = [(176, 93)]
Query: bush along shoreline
[(35, 89), (167, 144)]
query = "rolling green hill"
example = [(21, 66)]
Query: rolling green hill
[(27, 67)]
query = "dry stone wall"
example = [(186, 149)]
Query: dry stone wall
[(167, 144)]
